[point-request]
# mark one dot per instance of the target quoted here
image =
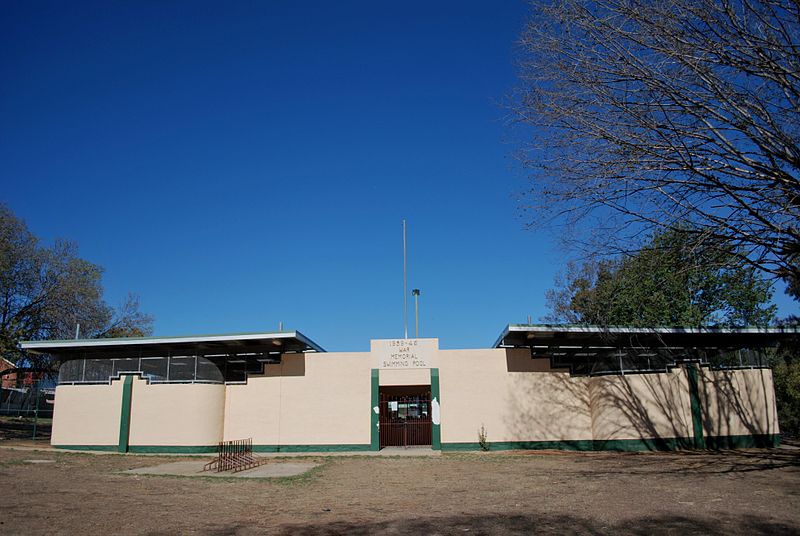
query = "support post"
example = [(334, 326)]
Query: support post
[(436, 402), (125, 414), (38, 392), (374, 411)]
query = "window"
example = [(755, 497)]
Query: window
[(216, 368)]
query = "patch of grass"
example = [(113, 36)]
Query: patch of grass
[(67, 454), (304, 479), (10, 463), (490, 457)]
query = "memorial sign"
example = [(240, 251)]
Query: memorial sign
[(405, 353)]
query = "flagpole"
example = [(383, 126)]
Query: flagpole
[(405, 290)]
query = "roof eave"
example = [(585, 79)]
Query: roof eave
[(44, 346), (546, 331)]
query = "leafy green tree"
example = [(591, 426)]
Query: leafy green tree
[(671, 282), (45, 292), (668, 282), (786, 374)]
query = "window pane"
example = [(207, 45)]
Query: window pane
[(98, 370), (752, 357), (606, 362), (723, 358), (208, 371), (181, 368), (126, 365), (71, 371), (254, 366), (154, 368), (236, 370)]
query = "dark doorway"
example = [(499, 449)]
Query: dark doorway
[(405, 416)]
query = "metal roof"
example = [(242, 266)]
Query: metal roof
[(283, 341), (527, 335)]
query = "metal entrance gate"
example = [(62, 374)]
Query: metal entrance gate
[(405, 420)]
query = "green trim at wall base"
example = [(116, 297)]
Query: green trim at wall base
[(620, 445), (626, 445), (312, 448), (212, 449), (103, 448), (577, 445), (743, 441), (172, 449)]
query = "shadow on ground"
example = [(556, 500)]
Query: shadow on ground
[(534, 524), (701, 462)]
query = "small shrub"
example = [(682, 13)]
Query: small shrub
[(484, 444)]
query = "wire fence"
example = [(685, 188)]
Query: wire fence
[(26, 411)]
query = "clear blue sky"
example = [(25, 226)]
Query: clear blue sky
[(238, 164)]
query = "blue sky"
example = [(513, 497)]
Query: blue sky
[(241, 164)]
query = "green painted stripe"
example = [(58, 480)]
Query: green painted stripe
[(172, 449), (649, 444), (585, 445), (212, 449), (626, 445), (743, 441), (103, 448), (522, 445), (697, 413), (374, 430), (436, 429), (125, 415), (312, 448)]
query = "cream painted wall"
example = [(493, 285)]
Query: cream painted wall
[(253, 409), (637, 406), (176, 414), (310, 399), (87, 414), (325, 399), (514, 397), (740, 402), (404, 377)]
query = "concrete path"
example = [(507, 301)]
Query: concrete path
[(195, 468)]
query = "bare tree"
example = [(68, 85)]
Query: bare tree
[(645, 115)]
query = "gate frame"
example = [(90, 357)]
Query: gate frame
[(436, 399), (374, 428), (400, 430)]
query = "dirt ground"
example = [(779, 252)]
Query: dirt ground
[(742, 492)]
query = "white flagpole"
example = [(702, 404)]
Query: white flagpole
[(405, 290)]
